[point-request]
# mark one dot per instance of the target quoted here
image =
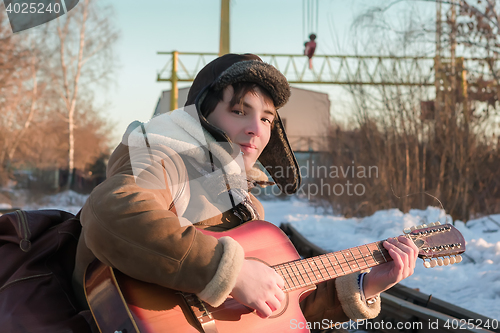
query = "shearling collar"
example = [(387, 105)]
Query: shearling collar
[(181, 131)]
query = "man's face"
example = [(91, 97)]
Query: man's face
[(247, 124)]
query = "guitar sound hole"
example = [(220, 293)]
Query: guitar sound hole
[(231, 310), (284, 304), (280, 311)]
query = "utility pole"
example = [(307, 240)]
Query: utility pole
[(440, 82), (174, 91), (224, 27), (437, 59), (453, 42)]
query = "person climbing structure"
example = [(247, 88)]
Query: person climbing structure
[(310, 47)]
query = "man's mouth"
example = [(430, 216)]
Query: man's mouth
[(247, 148)]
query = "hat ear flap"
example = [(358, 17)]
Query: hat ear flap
[(278, 159)]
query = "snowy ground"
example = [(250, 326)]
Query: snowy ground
[(69, 201), (473, 284)]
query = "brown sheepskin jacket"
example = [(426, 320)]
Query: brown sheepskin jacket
[(136, 229)]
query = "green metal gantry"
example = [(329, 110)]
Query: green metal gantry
[(327, 69)]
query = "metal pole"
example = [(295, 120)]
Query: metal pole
[(465, 207), (453, 42), (437, 60), (174, 91), (224, 28)]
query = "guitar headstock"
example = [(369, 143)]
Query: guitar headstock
[(440, 244)]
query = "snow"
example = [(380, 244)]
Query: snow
[(5, 206), (69, 201), (473, 284)]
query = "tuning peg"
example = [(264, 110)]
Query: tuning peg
[(446, 261), (452, 260), (407, 231), (440, 262), (427, 264), (433, 263), (458, 258), (437, 223), (413, 228), (421, 226)]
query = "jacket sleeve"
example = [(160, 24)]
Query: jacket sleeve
[(129, 223), (338, 300)]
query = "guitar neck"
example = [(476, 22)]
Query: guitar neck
[(301, 273)]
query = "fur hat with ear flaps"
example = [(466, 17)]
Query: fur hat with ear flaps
[(277, 157)]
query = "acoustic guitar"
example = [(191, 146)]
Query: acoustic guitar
[(122, 304)]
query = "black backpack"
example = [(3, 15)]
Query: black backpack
[(37, 258)]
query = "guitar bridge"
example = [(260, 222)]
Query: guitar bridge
[(200, 312)]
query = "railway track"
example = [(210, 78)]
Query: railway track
[(7, 210), (404, 309)]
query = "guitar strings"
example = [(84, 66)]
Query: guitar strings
[(346, 265), (326, 269)]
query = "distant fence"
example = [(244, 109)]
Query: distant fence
[(56, 179)]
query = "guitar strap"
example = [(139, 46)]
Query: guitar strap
[(201, 313)]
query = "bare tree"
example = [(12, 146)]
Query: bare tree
[(85, 37), (442, 141), (18, 77), (49, 119)]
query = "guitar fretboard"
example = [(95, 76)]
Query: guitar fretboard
[(306, 272)]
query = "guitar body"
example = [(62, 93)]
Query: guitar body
[(155, 309), (122, 304)]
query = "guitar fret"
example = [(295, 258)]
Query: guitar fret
[(305, 271), (287, 277), (346, 268), (362, 256), (381, 252), (300, 274), (354, 258), (375, 253), (326, 266), (292, 276), (372, 255), (280, 272), (319, 270), (332, 264), (312, 269), (340, 264), (346, 260)]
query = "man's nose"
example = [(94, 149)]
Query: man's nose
[(254, 126)]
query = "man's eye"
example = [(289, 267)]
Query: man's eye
[(238, 112), (267, 120)]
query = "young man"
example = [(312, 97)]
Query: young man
[(191, 169)]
